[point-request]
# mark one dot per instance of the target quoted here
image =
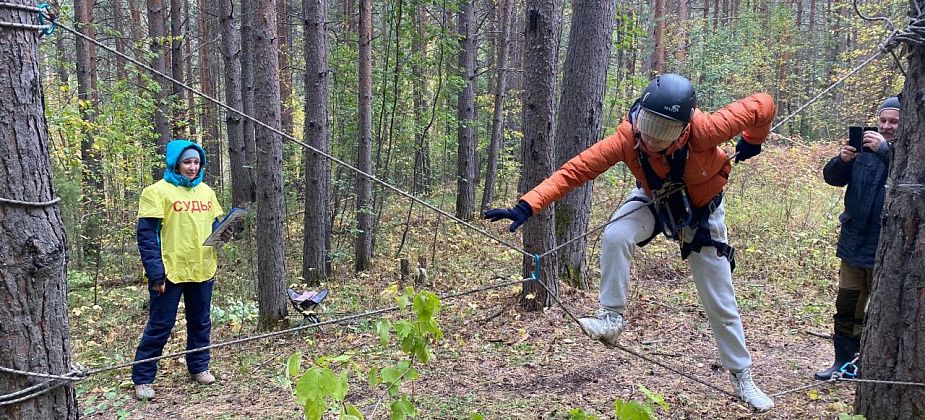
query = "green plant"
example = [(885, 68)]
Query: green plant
[(635, 410), (322, 389)]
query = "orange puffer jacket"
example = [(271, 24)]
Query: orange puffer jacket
[(707, 169)]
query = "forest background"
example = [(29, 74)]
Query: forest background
[(106, 118)]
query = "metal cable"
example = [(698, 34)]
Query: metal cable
[(23, 7), (79, 375), (27, 26), (635, 353)]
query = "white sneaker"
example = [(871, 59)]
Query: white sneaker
[(746, 389), (605, 327), (144, 392), (203, 378)]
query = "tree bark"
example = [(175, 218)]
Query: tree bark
[(579, 125), (179, 118), (894, 332), (423, 178), (118, 24), (364, 242), (206, 24), (248, 8), (285, 73), (33, 251), (242, 184), (271, 272), (157, 30), (541, 40), (317, 229), (497, 119), (465, 113)]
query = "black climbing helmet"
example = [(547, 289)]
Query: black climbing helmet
[(671, 96)]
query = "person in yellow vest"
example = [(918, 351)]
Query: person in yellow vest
[(175, 216)]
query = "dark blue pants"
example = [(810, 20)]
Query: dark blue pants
[(161, 318)]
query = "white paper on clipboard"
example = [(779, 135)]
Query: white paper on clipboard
[(230, 220)]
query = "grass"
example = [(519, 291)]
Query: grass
[(782, 219)]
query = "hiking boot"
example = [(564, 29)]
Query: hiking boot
[(144, 392), (605, 327), (746, 389), (203, 378)]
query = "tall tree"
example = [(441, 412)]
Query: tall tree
[(579, 124), (242, 184), (423, 176), (894, 332), (655, 62), (248, 9), (503, 45), (285, 73), (465, 113), (177, 39), (88, 96), (157, 32), (541, 39), (118, 24), (317, 232), (364, 242), (271, 270), (206, 24), (33, 282)]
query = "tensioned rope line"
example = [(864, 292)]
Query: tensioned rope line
[(296, 141), (633, 352), (31, 203), (76, 376), (43, 11)]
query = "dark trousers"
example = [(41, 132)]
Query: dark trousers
[(161, 318)]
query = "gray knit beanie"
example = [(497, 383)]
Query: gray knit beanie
[(656, 126)]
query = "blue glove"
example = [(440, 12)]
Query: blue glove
[(746, 150), (519, 214)]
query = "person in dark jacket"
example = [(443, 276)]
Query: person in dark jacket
[(864, 174), (175, 216)]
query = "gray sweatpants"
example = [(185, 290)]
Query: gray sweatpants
[(712, 275)]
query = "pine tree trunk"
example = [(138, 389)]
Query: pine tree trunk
[(271, 209), (579, 125), (92, 167), (497, 119), (539, 126), (242, 183), (206, 26), (118, 23), (423, 181), (894, 332), (157, 30), (317, 232), (465, 113), (364, 242), (33, 250), (285, 73), (248, 9), (179, 118)]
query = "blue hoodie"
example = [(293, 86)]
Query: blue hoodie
[(174, 149)]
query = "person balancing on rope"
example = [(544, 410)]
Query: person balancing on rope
[(672, 148)]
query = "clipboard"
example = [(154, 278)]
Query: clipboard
[(228, 222)]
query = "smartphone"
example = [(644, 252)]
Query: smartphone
[(856, 137)]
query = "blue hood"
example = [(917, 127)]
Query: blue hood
[(174, 149)]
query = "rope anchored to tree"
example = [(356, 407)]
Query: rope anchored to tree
[(44, 13)]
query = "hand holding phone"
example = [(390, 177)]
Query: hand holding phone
[(856, 138)]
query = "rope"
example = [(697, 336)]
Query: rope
[(832, 86), (43, 11), (296, 141), (637, 354), (30, 203), (79, 375)]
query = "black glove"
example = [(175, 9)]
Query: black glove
[(519, 214), (745, 150)]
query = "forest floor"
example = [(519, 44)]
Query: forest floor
[(497, 360)]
